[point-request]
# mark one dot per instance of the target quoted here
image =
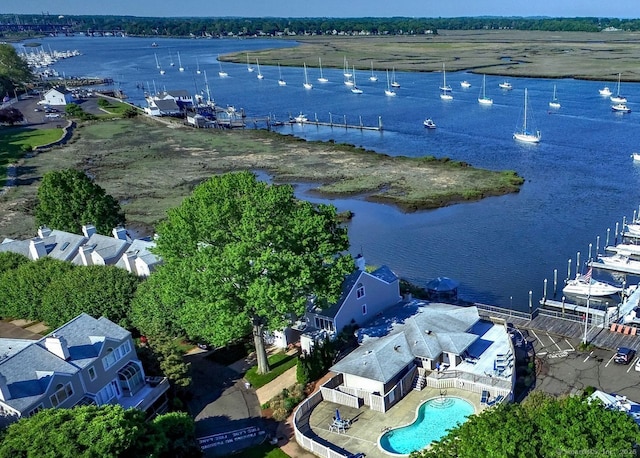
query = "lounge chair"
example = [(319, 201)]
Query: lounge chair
[(499, 399), (485, 397)]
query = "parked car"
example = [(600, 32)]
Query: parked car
[(624, 355), (638, 365)]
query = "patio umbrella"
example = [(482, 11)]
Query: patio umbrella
[(442, 284), (337, 415)]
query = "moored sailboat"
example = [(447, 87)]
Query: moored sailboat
[(249, 67), (618, 98), (322, 79), (524, 134), (306, 84), (281, 82), (394, 83), (221, 73), (388, 91), (181, 68), (483, 99), (355, 89), (373, 76), (554, 101), (445, 89), (260, 75)]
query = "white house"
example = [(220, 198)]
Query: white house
[(57, 96), (157, 107), (180, 96)]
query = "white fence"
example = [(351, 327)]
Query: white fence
[(301, 419)]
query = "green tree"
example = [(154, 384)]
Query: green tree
[(242, 255), (96, 290), (11, 116), (106, 431), (542, 426), (68, 199), (14, 71), (171, 362), (10, 261)]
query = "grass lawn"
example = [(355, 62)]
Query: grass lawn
[(279, 363), (15, 141), (114, 108), (264, 451)]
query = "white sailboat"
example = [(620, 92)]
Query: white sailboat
[(524, 134), (221, 73), (198, 66), (260, 75), (171, 59), (394, 83), (618, 98), (355, 89), (322, 79), (158, 64), (346, 73), (554, 101), (388, 91), (483, 99), (181, 68), (306, 84), (249, 67), (281, 82), (445, 90), (373, 76)]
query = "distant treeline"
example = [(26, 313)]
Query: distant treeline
[(164, 27)]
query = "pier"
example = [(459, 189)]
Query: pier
[(301, 119)]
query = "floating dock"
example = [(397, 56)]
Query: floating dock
[(332, 123)]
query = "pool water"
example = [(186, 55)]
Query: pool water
[(435, 417)]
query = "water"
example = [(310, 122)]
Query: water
[(434, 419), (580, 179)]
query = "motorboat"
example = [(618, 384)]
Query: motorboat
[(625, 249), (524, 134), (605, 91), (621, 108), (636, 157), (587, 286), (465, 84), (429, 124), (505, 85), (618, 262), (301, 118)]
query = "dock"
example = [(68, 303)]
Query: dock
[(631, 267), (333, 123)]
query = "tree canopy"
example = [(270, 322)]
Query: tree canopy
[(69, 199), (542, 426), (240, 254), (106, 431), (14, 71), (11, 116)]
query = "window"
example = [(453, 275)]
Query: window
[(322, 323), (35, 410), (360, 291), (63, 392), (113, 356), (131, 378), (92, 373), (364, 309), (106, 394)]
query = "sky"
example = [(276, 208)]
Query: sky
[(327, 8)]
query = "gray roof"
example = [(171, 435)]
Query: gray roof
[(30, 370), (142, 248), (166, 105), (428, 330), (109, 248), (15, 246), (63, 245), (178, 93), (385, 274), (378, 360)]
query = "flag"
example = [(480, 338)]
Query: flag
[(587, 276)]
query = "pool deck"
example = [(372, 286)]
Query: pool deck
[(367, 426)]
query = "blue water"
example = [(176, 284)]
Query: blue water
[(435, 418), (579, 181)]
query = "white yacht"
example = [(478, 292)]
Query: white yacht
[(587, 286)]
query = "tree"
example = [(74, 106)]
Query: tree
[(11, 116), (542, 426), (10, 261), (106, 431), (14, 71), (96, 290), (68, 199), (242, 255)]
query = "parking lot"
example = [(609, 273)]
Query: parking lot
[(564, 369)]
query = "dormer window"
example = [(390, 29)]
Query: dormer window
[(63, 392), (360, 291)]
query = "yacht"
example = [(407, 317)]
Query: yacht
[(429, 124), (584, 285), (605, 91), (505, 85), (621, 108), (465, 84)]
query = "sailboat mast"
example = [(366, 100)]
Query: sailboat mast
[(525, 110)]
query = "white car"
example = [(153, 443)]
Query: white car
[(637, 367), (52, 115)]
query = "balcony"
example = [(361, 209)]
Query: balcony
[(153, 390)]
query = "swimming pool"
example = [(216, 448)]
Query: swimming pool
[(434, 418)]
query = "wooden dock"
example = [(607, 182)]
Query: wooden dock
[(342, 125)]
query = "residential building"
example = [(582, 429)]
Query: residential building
[(57, 96), (157, 107), (85, 361)]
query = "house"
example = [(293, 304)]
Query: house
[(416, 343), (138, 259), (180, 96), (100, 249), (56, 244), (57, 96), (85, 361), (364, 296), (162, 107)]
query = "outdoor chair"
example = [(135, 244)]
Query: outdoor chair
[(485, 397)]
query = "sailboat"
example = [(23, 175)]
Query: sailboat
[(394, 83), (346, 73), (322, 79), (198, 66), (554, 101), (158, 64), (181, 68), (483, 99), (445, 91), (355, 89), (306, 84), (260, 75), (373, 77), (618, 98), (388, 91), (171, 59), (221, 73), (524, 135), (281, 82), (249, 67)]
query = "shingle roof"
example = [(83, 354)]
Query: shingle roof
[(108, 248), (142, 248), (385, 274), (166, 105)]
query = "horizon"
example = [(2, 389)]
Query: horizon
[(621, 9)]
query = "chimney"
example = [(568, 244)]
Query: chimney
[(37, 249), (5, 395), (130, 261), (58, 346), (88, 230), (360, 263), (119, 233), (44, 231), (85, 254)]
